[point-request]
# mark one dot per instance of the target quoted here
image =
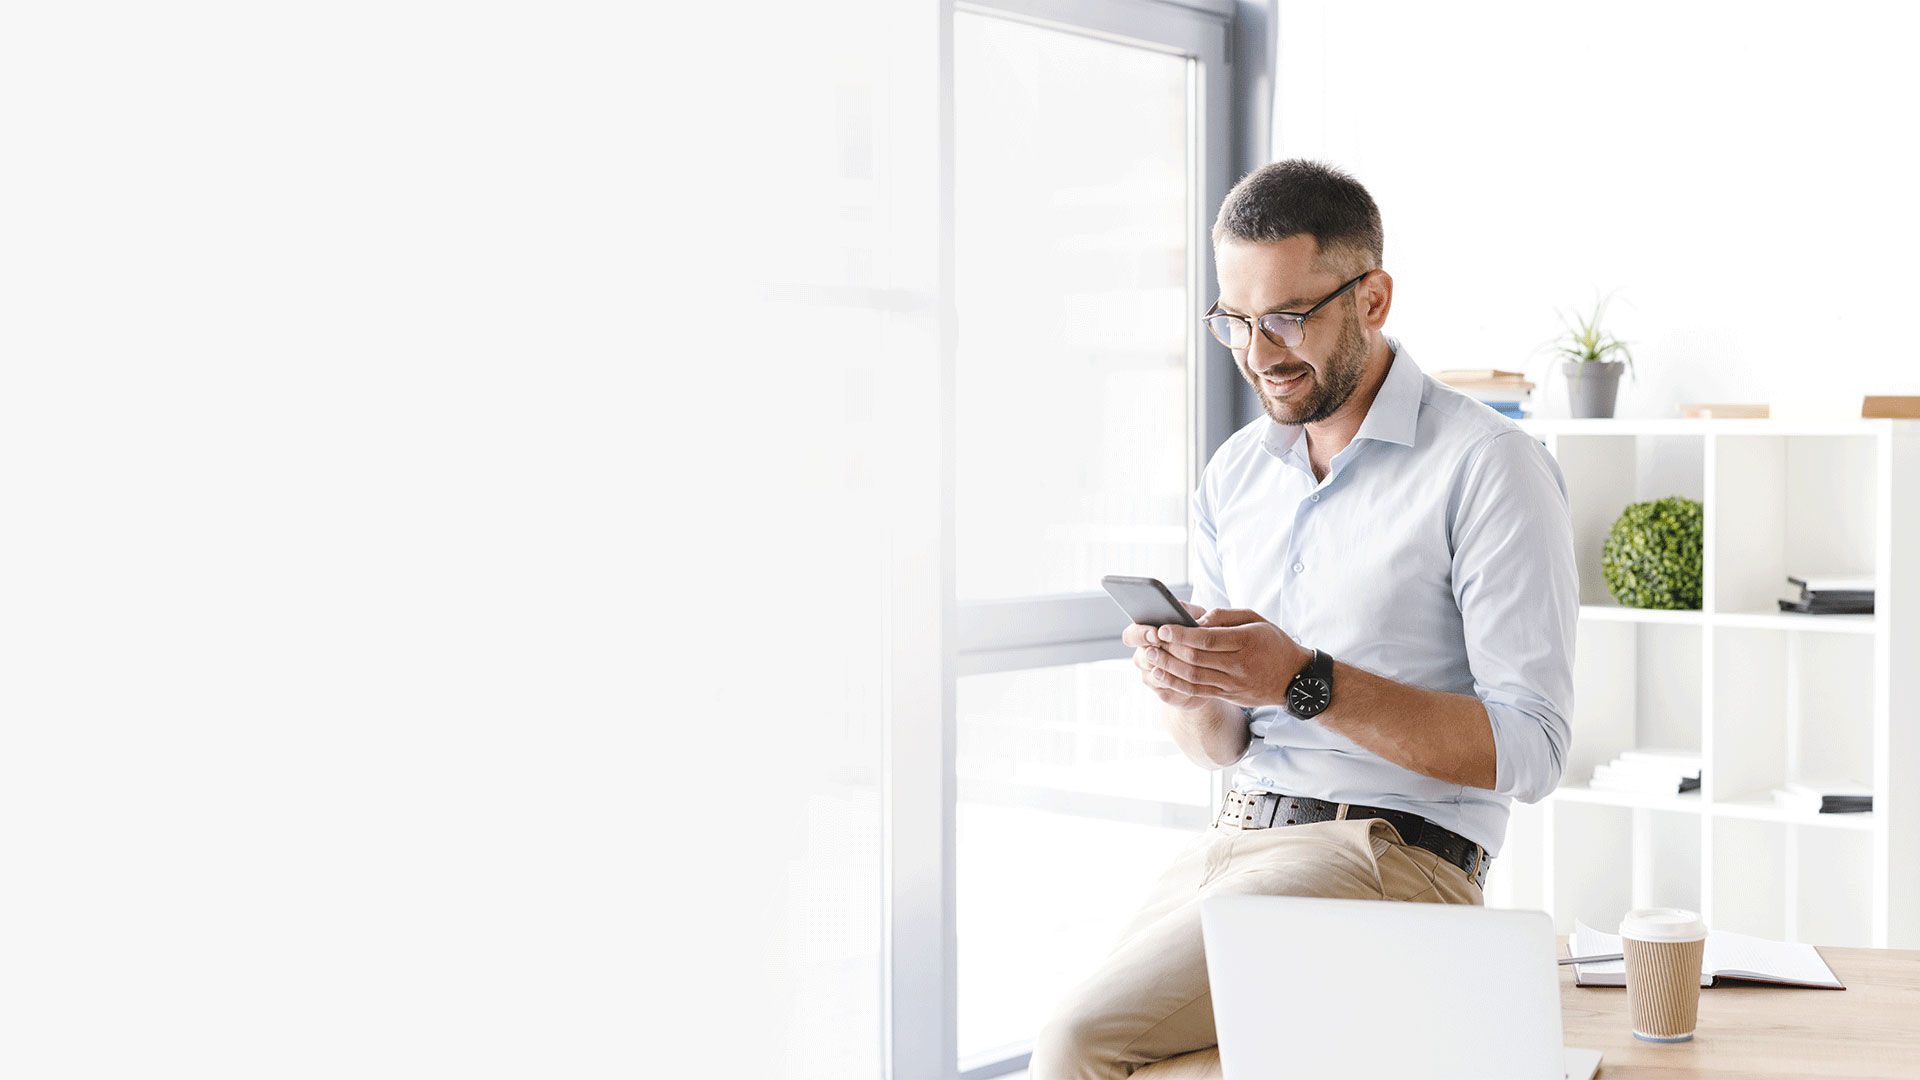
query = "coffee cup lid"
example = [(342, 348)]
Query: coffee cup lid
[(1663, 924)]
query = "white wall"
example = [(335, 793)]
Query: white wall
[(387, 443), (1738, 173)]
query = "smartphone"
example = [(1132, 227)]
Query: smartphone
[(1146, 601)]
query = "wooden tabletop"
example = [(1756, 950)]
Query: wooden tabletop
[(1870, 1029)]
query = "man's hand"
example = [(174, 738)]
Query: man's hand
[(1145, 652), (1234, 655)]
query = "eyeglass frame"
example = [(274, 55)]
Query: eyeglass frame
[(1299, 320)]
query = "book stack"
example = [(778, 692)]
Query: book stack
[(1506, 392), (1650, 772), (1820, 797), (1905, 407), (1821, 595)]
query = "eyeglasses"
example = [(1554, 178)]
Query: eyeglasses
[(1283, 328)]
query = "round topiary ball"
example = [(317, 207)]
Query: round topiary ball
[(1652, 555)]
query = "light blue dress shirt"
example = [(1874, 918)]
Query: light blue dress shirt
[(1438, 552)]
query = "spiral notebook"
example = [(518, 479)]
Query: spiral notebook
[(1728, 958)]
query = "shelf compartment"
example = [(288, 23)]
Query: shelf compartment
[(1611, 859), (1788, 707), (1749, 878), (1635, 685), (1609, 471), (1791, 883), (1786, 506)]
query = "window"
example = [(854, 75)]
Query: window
[(1088, 154)]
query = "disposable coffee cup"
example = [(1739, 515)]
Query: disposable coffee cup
[(1663, 948)]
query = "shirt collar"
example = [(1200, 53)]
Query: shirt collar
[(1393, 417)]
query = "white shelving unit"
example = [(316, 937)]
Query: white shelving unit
[(1765, 696)]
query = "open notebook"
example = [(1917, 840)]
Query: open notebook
[(1728, 957)]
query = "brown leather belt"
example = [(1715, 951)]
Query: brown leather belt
[(1262, 810)]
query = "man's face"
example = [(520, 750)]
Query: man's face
[(1309, 382)]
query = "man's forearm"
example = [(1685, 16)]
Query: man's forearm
[(1434, 733), (1213, 736), (1245, 659)]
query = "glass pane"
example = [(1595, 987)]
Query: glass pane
[(1058, 767), (1071, 214)]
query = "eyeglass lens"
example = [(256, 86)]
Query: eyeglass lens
[(1237, 333)]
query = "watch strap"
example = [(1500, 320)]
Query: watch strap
[(1320, 667)]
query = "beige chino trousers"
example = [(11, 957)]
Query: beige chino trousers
[(1149, 999)]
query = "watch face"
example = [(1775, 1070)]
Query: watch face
[(1308, 696)]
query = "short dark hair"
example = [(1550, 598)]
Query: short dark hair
[(1287, 198)]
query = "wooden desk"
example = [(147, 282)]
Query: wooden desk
[(1870, 1029)]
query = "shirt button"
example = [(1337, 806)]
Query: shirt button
[(1297, 568), (1315, 496)]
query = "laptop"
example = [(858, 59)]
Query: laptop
[(1372, 988)]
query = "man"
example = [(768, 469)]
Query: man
[(1384, 578)]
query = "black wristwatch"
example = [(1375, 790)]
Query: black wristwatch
[(1311, 691)]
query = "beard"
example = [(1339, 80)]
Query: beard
[(1328, 387)]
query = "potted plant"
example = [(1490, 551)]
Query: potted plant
[(1653, 554), (1592, 360)]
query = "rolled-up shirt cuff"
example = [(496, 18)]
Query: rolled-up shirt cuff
[(1528, 763)]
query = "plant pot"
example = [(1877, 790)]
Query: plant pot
[(1591, 388)]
